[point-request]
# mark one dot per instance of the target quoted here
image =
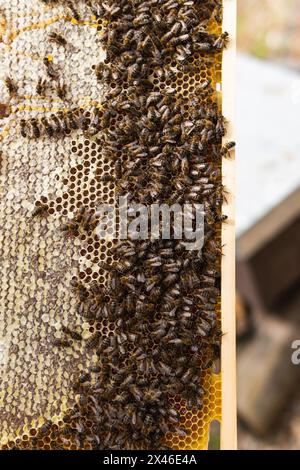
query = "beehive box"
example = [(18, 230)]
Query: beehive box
[(52, 257)]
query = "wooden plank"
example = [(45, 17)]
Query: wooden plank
[(268, 166), (269, 226), (228, 358), (268, 274)]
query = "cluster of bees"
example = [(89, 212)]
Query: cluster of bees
[(161, 298), (58, 124)]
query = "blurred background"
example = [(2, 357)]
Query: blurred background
[(268, 223)]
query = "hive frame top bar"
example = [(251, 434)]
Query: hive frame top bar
[(228, 358)]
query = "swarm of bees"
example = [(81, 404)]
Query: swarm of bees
[(161, 298)]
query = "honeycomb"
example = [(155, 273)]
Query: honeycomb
[(39, 262)]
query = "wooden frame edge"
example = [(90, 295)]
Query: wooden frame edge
[(228, 355)]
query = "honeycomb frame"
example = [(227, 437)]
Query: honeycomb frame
[(76, 176)]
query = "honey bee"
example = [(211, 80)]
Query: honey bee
[(82, 120), (221, 41), (133, 72), (136, 392), (148, 421), (67, 431), (80, 289), (204, 47), (95, 369), (175, 41), (205, 84), (41, 210), (183, 57), (61, 343), (70, 117), (128, 37), (45, 428), (80, 215), (11, 86), (41, 87), (218, 14), (35, 128), (225, 150), (103, 73), (23, 128), (105, 343), (97, 10), (74, 12), (93, 341), (5, 110), (48, 128), (61, 91), (85, 377), (208, 364), (221, 218), (63, 123), (221, 127), (73, 334), (56, 122), (106, 178), (50, 69), (57, 38), (94, 126), (90, 223)]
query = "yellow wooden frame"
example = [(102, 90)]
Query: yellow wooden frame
[(228, 357)]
